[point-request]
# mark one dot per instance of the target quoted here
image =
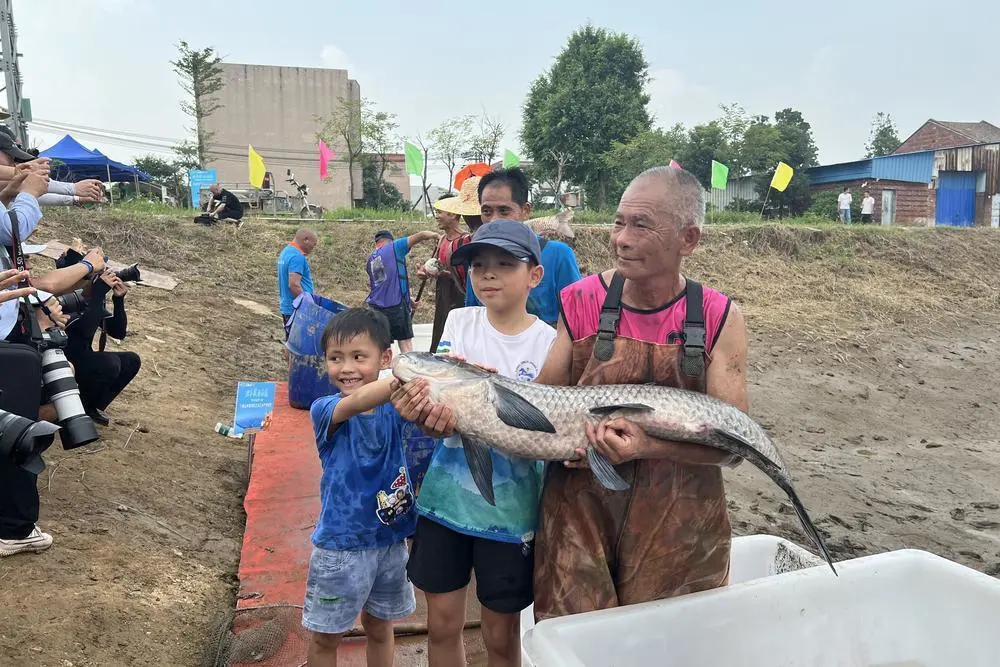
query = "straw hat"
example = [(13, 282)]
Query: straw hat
[(467, 201)]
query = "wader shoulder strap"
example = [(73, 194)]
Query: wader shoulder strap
[(607, 328), (693, 360)]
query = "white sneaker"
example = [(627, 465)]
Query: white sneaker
[(35, 542)]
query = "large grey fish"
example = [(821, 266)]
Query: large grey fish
[(543, 422)]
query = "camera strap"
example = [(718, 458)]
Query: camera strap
[(18, 252)]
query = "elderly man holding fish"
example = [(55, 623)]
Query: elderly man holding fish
[(642, 322)]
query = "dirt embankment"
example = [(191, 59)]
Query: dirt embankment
[(872, 354)]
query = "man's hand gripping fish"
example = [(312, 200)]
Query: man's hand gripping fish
[(543, 422)]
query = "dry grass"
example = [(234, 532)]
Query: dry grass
[(831, 283)]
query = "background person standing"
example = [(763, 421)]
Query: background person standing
[(867, 208), (389, 282), (449, 286), (844, 200), (294, 276)]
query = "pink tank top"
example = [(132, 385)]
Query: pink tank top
[(582, 301)]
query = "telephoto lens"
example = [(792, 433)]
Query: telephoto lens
[(130, 274), (57, 376), (71, 303), (22, 440)]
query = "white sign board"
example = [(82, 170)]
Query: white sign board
[(995, 212)]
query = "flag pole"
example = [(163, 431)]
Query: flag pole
[(766, 197)]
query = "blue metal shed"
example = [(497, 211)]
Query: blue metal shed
[(839, 173), (908, 167)]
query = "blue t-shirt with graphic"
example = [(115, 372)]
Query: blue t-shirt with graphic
[(388, 281), (365, 492), (449, 495), (291, 260), (561, 269)]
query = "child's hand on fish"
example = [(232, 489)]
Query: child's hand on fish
[(412, 401)]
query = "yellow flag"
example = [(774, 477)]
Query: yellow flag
[(256, 168), (782, 177)]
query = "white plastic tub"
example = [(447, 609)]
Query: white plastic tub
[(750, 557), (899, 609)]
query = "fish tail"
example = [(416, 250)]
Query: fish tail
[(736, 444), (810, 528)]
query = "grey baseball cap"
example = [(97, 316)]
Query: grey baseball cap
[(515, 237)]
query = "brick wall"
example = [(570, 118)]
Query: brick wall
[(914, 201), (932, 137)]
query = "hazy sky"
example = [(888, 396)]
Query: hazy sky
[(105, 63)]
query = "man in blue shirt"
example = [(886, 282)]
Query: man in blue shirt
[(389, 283), (503, 193), (294, 276)]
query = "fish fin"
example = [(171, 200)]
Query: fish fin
[(768, 467), (477, 455), (604, 471), (514, 410), (601, 410)]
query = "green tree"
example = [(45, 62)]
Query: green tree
[(378, 193), (788, 139), (883, 139), (451, 140), (378, 136), (649, 149), (592, 96), (343, 126), (485, 145), (170, 174), (704, 144), (200, 73)]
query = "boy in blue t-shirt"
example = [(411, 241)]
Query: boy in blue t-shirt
[(358, 564)]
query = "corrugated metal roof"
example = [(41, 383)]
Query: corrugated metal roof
[(907, 167), (845, 171)]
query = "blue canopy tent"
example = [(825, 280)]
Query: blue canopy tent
[(72, 162)]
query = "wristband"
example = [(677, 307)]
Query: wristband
[(89, 266)]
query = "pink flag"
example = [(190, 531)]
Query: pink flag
[(325, 155), (674, 164)]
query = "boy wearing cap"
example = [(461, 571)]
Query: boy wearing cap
[(457, 530), (389, 284)]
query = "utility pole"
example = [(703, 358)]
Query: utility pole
[(11, 73)]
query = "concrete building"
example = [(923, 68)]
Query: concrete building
[(275, 109)]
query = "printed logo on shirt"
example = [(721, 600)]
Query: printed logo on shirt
[(444, 347), (396, 502), (526, 371)]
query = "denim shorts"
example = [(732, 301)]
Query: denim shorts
[(342, 583)]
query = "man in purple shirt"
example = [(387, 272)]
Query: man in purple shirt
[(389, 283)]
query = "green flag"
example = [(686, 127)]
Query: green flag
[(720, 174), (414, 160), (510, 160)]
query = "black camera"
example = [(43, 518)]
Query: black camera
[(22, 440), (130, 274), (72, 303)]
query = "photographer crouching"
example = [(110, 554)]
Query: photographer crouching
[(101, 375), (31, 356)]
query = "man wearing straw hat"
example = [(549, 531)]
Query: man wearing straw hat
[(450, 282), (465, 203)]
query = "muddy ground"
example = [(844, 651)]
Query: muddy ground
[(876, 381)]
